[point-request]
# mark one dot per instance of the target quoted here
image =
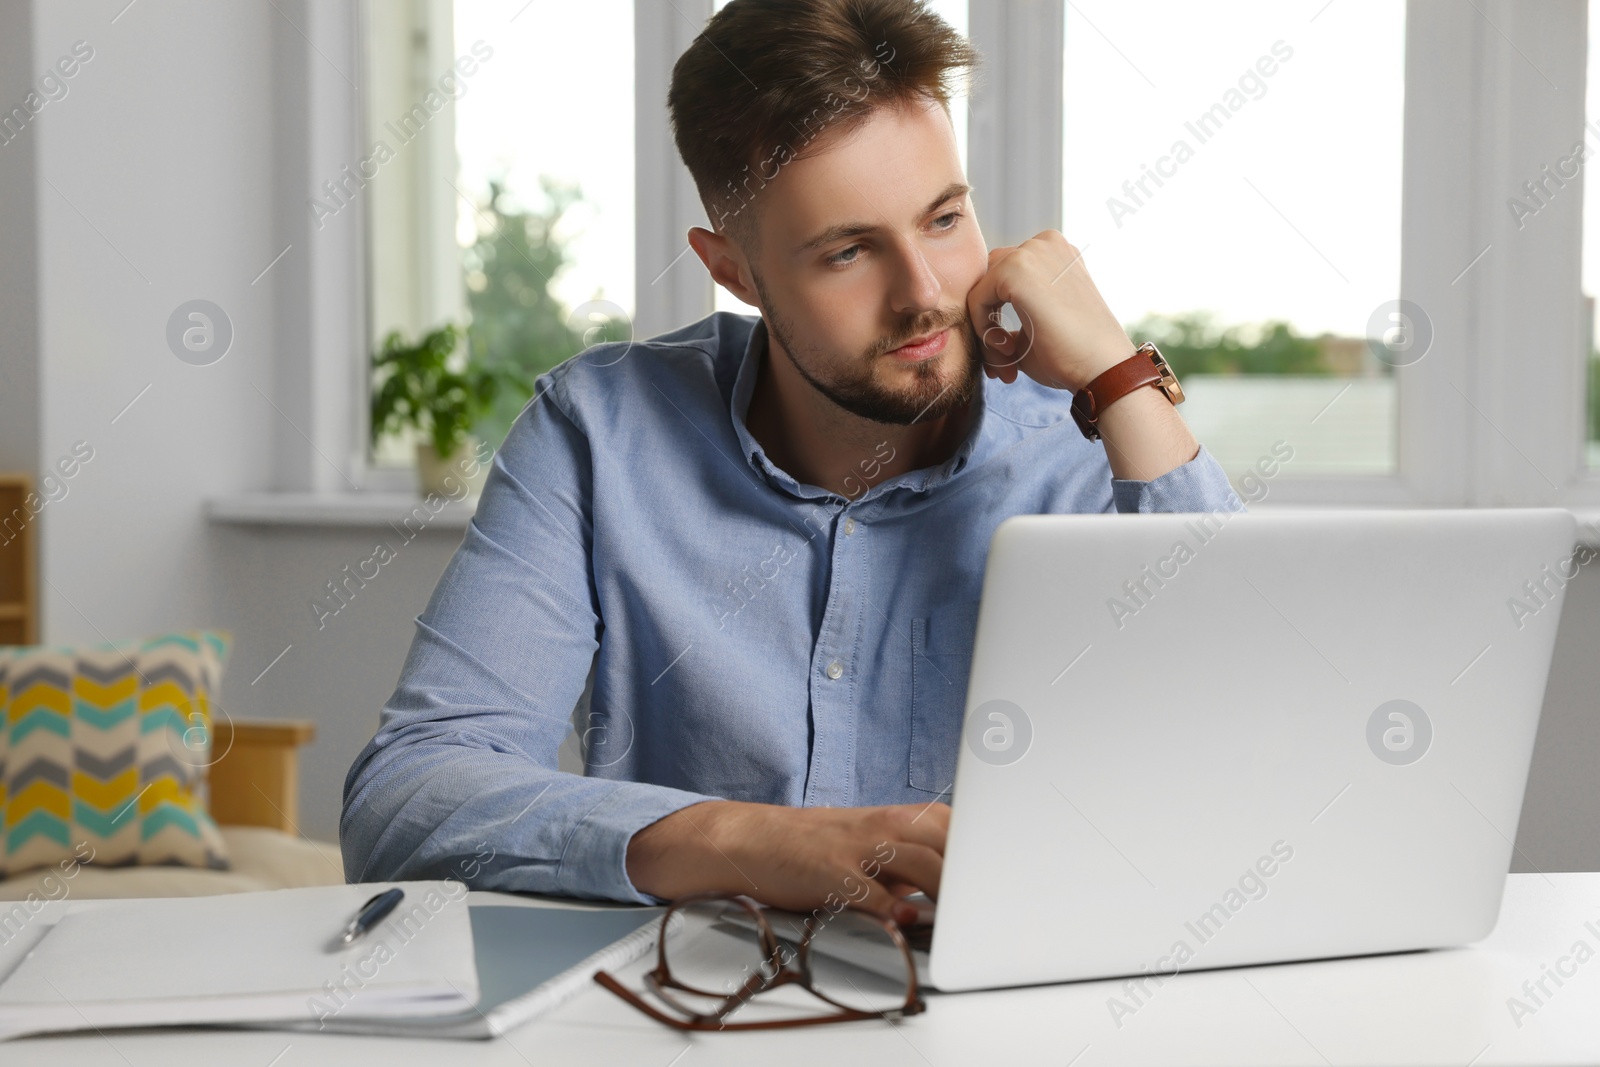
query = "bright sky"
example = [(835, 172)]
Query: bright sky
[(557, 99), (1291, 210)]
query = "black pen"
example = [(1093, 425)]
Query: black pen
[(371, 913)]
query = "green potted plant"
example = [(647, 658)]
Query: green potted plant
[(416, 385)]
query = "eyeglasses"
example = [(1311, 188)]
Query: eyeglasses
[(704, 974)]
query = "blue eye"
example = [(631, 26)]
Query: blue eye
[(839, 258)]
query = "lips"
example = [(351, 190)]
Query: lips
[(919, 351), (920, 340)]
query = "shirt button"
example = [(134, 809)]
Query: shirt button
[(835, 670), (849, 527)]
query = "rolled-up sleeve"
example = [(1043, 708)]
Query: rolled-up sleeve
[(1198, 485), (462, 778)]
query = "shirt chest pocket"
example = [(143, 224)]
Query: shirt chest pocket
[(941, 659)]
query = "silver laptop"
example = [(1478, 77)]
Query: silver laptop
[(1199, 741)]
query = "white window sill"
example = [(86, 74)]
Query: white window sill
[(339, 509), (379, 509), (1588, 526)]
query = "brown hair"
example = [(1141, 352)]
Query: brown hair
[(766, 77)]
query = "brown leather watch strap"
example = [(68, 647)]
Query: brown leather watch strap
[(1144, 367)]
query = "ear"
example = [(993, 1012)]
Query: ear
[(725, 260)]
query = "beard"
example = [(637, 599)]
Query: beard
[(939, 386)]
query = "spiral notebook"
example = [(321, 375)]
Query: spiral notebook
[(434, 967)]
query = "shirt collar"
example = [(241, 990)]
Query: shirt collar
[(920, 480)]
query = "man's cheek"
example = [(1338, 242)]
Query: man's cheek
[(973, 263)]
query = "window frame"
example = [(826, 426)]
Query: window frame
[(671, 287), (320, 287), (439, 294)]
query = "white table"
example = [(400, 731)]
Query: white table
[(1446, 1007)]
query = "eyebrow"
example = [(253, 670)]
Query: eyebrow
[(856, 229)]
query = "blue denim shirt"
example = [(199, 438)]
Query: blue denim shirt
[(751, 637)]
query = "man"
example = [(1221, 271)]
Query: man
[(765, 536)]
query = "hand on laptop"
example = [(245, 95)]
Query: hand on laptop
[(800, 859)]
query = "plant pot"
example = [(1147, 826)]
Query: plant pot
[(449, 476)]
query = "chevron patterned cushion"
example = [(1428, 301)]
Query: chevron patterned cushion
[(104, 750)]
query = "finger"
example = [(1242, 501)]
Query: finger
[(915, 911), (997, 341), (921, 824), (917, 864), (1003, 347), (991, 290), (937, 813), (1013, 344), (880, 900)]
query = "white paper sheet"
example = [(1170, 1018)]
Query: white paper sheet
[(245, 957)]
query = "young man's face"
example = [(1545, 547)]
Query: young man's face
[(840, 308)]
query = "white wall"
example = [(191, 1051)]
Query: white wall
[(153, 178), (338, 675), (19, 387)]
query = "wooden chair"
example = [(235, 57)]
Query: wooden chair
[(256, 780)]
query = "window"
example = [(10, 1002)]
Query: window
[(414, 280), (1234, 182), (1308, 126), (511, 211)]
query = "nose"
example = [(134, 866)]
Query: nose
[(917, 285)]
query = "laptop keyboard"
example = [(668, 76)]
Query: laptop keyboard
[(919, 936)]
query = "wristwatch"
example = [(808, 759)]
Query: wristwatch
[(1145, 367)]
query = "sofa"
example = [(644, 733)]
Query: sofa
[(253, 792)]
